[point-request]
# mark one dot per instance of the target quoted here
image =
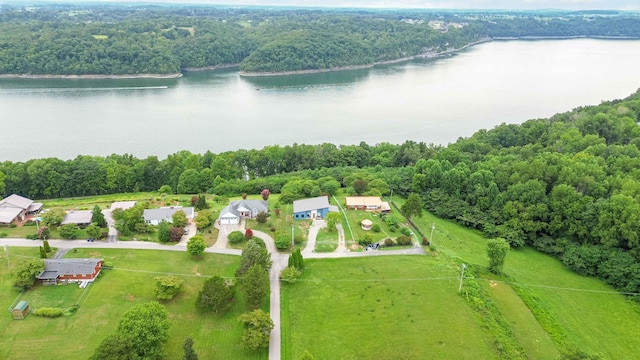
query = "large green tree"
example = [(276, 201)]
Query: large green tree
[(167, 287), (141, 334), (253, 254), (412, 207), (97, 217), (216, 296), (257, 329), (255, 284), (497, 251), (196, 245)]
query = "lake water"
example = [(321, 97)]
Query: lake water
[(434, 101)]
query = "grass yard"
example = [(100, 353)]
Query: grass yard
[(326, 241), (380, 308), (116, 291), (594, 319)]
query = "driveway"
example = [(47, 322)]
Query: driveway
[(315, 227), (224, 231), (193, 229), (113, 233)]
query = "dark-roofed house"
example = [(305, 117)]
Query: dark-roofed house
[(239, 209), (16, 207), (69, 270), (78, 217), (314, 208), (156, 216)]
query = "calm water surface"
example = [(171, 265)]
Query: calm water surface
[(434, 101)]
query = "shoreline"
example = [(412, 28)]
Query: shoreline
[(426, 55), (431, 54), (210, 68), (310, 71), (92, 77)]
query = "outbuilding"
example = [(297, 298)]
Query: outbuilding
[(21, 310)]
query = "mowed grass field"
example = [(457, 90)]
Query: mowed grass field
[(131, 282), (386, 307), (591, 314)]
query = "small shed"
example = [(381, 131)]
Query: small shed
[(21, 310), (366, 224)]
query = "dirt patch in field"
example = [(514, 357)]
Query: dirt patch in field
[(94, 254), (130, 297)]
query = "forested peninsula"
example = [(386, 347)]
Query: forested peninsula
[(567, 185), (118, 40)]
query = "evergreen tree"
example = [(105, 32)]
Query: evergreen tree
[(189, 353), (43, 253), (47, 248), (97, 217)]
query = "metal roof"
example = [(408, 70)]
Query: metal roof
[(166, 213), (7, 214), (21, 306), (320, 202), (78, 217), (17, 201)]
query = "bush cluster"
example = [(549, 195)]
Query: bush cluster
[(49, 312), (236, 237)]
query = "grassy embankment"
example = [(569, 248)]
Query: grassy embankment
[(117, 290)]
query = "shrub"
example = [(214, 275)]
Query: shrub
[(388, 242), (283, 241), (49, 312), (290, 274), (425, 241), (31, 236), (262, 217), (29, 223), (403, 240), (69, 231), (248, 234), (236, 237), (12, 225), (392, 228), (175, 234), (405, 231), (376, 228), (3, 235)]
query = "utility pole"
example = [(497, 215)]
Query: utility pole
[(462, 277), (292, 236), (433, 227)]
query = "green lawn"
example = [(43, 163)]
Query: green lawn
[(380, 308), (117, 290), (604, 323), (326, 241)]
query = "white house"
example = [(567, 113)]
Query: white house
[(239, 209), (16, 207), (156, 216)]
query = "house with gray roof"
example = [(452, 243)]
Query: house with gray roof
[(313, 208), (156, 216), (70, 270), (17, 208), (78, 217), (239, 209)]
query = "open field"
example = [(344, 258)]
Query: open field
[(117, 290), (592, 315), (403, 307)]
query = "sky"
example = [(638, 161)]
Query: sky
[(434, 4)]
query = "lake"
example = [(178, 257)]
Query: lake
[(429, 100)]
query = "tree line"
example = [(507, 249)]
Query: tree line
[(108, 39)]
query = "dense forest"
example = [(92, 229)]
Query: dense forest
[(567, 185), (147, 39)]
